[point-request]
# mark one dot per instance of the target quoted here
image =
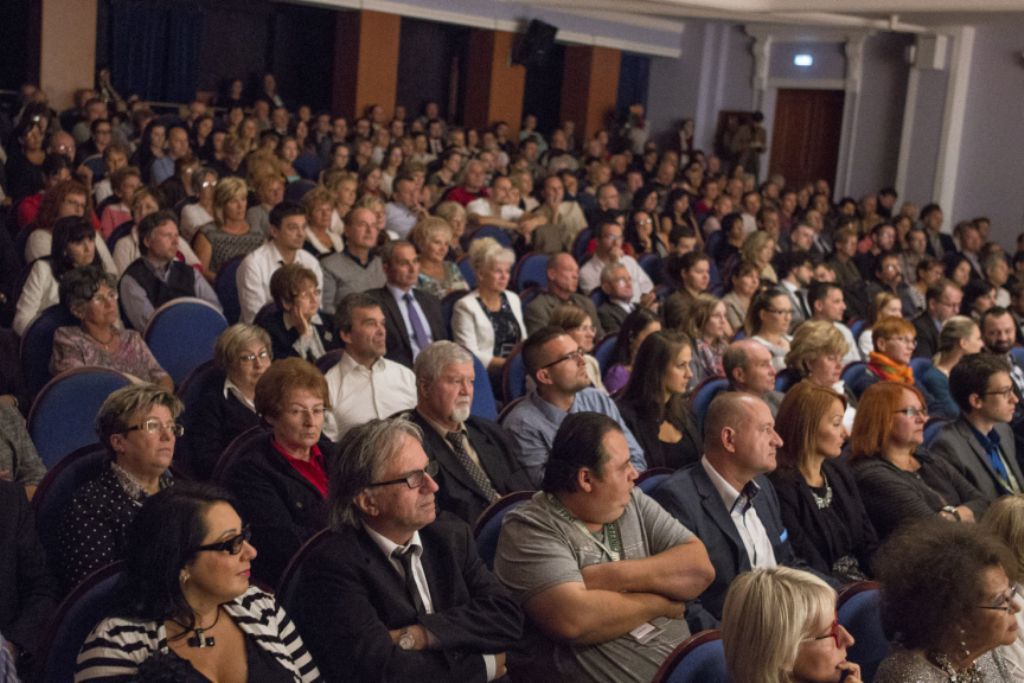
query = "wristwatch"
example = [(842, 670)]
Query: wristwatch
[(953, 511), (406, 640)]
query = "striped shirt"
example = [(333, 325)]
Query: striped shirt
[(117, 646)]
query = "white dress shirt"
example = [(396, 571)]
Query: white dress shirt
[(253, 277), (590, 276), (360, 394), (744, 517)]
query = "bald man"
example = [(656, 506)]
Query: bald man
[(748, 367), (727, 501)]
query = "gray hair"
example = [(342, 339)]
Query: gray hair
[(367, 451), (608, 272), (122, 405), (485, 251), (232, 340), (435, 358)]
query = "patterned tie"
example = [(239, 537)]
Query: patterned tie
[(418, 331), (405, 557), (476, 473)]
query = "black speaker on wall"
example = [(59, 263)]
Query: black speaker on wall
[(534, 47)]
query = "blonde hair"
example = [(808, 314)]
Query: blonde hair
[(1005, 520), (753, 244), (812, 339), (426, 228), (699, 314), (226, 190), (767, 613), (232, 340)]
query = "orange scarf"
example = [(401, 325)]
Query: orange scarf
[(888, 369)]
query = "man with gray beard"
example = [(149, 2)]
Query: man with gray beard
[(478, 460)]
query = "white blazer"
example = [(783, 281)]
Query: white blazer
[(472, 328)]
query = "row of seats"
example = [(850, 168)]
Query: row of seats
[(699, 659)]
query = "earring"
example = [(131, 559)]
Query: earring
[(183, 577)]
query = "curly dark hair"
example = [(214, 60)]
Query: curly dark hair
[(930, 572)]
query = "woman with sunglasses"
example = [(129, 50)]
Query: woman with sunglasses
[(137, 426), (948, 595), (898, 479), (187, 611), (779, 625)]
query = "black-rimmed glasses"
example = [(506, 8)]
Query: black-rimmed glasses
[(232, 545), (413, 480), (1005, 601), (576, 355)]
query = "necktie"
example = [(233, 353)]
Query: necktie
[(419, 332), (405, 557), (475, 472)]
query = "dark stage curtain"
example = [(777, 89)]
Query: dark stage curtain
[(153, 47), (634, 76)]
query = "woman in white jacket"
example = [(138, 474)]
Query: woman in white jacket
[(489, 320)]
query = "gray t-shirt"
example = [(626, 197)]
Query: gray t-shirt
[(540, 547)]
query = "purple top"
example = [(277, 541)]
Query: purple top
[(615, 378), (73, 348)]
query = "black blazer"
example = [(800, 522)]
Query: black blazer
[(893, 496), (215, 421), (283, 508), (399, 347), (611, 316), (811, 537), (281, 338), (350, 596), (657, 453), (499, 457), (690, 497), (927, 336), (28, 591)]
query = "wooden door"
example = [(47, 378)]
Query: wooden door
[(805, 138)]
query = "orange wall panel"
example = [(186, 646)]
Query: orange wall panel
[(365, 61), (590, 85)]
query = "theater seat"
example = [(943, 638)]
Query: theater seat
[(859, 613), (87, 605), (704, 394), (63, 415), (483, 404), (603, 351), (513, 375), (37, 346), (531, 269), (488, 526), (227, 289), (292, 574), (181, 335), (698, 659), (648, 480)]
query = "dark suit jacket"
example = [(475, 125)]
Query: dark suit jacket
[(281, 338), (350, 596), (215, 423), (399, 346), (927, 336), (499, 457), (28, 592), (957, 444), (691, 498), (283, 508), (811, 536), (611, 316)]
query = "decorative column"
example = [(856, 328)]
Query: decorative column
[(494, 86), (365, 61), (590, 86)]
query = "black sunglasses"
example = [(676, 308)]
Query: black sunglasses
[(232, 545)]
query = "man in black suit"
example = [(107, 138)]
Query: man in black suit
[(726, 500), (478, 461), (940, 244), (28, 592), (412, 317), (390, 594), (942, 301), (979, 444)]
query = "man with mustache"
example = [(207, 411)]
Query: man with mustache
[(477, 458)]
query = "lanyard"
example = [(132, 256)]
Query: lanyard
[(612, 543)]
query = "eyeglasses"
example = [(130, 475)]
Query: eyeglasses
[(834, 632), (99, 297), (909, 341), (413, 480), (784, 312), (1004, 392), (251, 357), (576, 355), (153, 426), (1005, 601), (232, 545), (913, 411)]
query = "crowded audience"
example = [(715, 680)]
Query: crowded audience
[(813, 377)]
